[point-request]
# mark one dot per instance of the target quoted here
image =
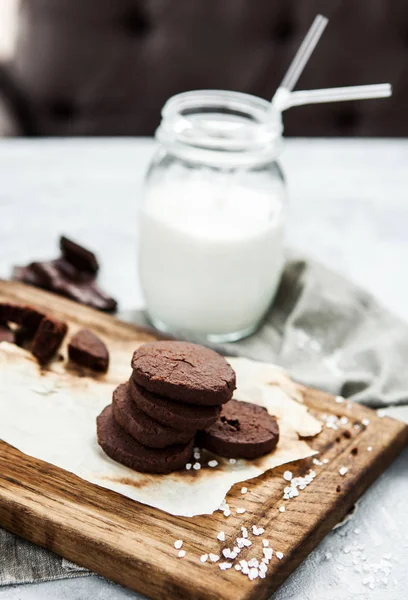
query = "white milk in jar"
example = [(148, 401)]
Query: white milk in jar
[(211, 238)]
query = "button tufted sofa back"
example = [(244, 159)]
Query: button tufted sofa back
[(105, 67)]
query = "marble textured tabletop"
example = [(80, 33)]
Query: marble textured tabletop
[(349, 209)]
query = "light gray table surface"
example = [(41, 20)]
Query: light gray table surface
[(349, 209)]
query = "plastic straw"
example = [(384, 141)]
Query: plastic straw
[(341, 94), (303, 54)]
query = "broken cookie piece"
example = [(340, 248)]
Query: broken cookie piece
[(87, 350), (48, 339), (80, 257)]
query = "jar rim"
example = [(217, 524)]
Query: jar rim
[(221, 125)]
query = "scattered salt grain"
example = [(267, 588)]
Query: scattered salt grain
[(366, 422), (381, 413), (178, 544), (197, 455), (343, 471), (346, 549), (267, 552), (344, 421), (227, 512), (196, 466), (287, 476), (188, 466), (244, 490), (279, 555), (282, 509), (221, 536), (253, 573), (232, 461), (214, 557), (265, 543), (226, 553), (371, 585), (253, 563), (244, 532), (325, 461), (224, 566), (237, 567), (212, 463), (181, 553), (257, 530), (317, 462), (339, 399), (357, 531), (328, 555), (370, 449), (204, 558), (240, 511)]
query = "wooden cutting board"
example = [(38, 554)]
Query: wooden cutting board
[(132, 544)]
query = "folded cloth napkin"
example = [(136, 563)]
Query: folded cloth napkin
[(325, 331)]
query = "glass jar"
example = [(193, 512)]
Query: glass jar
[(212, 216)]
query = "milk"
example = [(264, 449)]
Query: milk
[(211, 253)]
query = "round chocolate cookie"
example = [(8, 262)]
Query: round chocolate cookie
[(120, 446), (178, 415), (184, 372), (142, 427), (243, 430)]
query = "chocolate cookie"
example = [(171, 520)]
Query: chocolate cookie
[(80, 257), (243, 430), (179, 415), (48, 339), (142, 427), (86, 349), (184, 372), (120, 446), (26, 316)]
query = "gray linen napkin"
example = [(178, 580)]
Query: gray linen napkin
[(325, 331)]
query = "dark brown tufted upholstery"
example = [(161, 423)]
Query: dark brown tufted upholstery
[(105, 67)]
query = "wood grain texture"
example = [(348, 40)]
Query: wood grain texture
[(132, 544)]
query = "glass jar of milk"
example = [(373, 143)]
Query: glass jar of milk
[(212, 217)]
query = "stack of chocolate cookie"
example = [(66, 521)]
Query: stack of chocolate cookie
[(176, 389)]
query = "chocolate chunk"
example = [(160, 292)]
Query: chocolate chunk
[(61, 277), (243, 430), (179, 415), (120, 446), (80, 257), (6, 334), (48, 339), (184, 372), (26, 316), (140, 426), (86, 349)]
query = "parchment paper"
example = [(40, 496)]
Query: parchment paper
[(51, 416)]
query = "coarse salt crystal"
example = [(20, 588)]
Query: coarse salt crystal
[(221, 536), (244, 490), (240, 511), (244, 532), (204, 558), (265, 543), (325, 461), (232, 461), (317, 462), (181, 553), (237, 567), (178, 544), (267, 552), (282, 509), (257, 530), (279, 555), (381, 413), (339, 399), (188, 466), (226, 553), (236, 550), (346, 549), (196, 466), (371, 585), (253, 563), (197, 455), (370, 449), (328, 555), (227, 512), (253, 573), (287, 476), (366, 422), (213, 463), (224, 566), (343, 471), (357, 530), (214, 557), (344, 421)]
